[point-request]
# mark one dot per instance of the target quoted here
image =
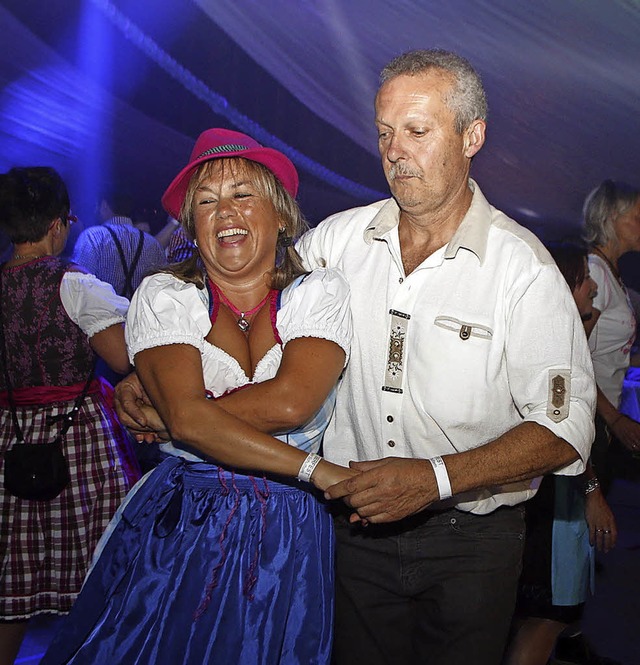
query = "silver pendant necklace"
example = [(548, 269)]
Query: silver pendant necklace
[(242, 321)]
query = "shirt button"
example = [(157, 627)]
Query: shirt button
[(401, 280), (389, 419), (391, 443)]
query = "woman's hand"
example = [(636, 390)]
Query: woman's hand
[(136, 412), (328, 473), (603, 531), (154, 423), (627, 431)]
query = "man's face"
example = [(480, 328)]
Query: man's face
[(425, 161), (103, 211)]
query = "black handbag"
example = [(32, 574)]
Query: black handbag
[(36, 472)]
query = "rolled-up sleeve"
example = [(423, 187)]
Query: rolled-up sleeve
[(549, 363)]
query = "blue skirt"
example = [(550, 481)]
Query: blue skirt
[(207, 566)]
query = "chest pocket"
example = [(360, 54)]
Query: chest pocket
[(464, 329)]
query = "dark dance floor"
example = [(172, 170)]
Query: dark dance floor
[(612, 617)]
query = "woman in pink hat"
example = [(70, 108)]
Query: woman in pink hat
[(224, 553)]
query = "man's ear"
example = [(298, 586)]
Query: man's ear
[(474, 137), (56, 226)]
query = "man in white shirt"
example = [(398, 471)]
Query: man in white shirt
[(469, 376)]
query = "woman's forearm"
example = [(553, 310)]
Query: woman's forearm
[(172, 377), (309, 369)]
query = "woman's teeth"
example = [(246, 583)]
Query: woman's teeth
[(232, 232)]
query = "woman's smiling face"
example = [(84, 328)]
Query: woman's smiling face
[(236, 224)]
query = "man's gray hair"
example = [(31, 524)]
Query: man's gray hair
[(603, 206), (467, 98)]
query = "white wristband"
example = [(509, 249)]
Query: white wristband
[(442, 477), (308, 467)]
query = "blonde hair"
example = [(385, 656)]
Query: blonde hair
[(288, 264)]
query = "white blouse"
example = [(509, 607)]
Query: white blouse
[(614, 333), (90, 303), (164, 310)]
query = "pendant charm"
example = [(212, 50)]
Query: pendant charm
[(243, 324)]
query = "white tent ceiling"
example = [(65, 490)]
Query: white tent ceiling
[(563, 80), (140, 79)]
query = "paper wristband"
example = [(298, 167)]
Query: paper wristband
[(308, 467), (442, 477)]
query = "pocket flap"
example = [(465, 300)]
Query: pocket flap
[(464, 329)]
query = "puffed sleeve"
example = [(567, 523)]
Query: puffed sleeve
[(90, 303), (317, 306), (165, 310)]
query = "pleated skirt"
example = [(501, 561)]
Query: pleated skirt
[(202, 565)]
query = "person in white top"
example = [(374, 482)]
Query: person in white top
[(612, 228), (55, 319), (470, 375), (566, 520)]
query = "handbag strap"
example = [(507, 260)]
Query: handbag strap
[(69, 417)]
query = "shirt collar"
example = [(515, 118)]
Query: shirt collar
[(471, 234), (118, 220), (386, 219), (473, 231)]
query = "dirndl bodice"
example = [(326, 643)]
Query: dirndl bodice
[(44, 346)]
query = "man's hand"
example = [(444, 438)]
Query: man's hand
[(387, 489), (136, 412)]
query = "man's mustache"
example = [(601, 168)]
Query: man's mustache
[(402, 170)]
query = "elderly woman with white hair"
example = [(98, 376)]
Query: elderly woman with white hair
[(612, 228)]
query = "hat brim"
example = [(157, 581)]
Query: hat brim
[(279, 164)]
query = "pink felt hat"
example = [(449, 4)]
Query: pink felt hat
[(218, 143)]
